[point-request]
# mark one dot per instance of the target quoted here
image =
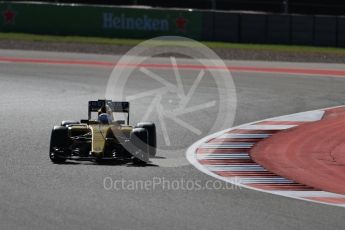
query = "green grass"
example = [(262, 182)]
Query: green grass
[(132, 42)]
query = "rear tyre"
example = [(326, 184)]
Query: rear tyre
[(58, 144), (65, 123), (152, 137), (140, 147)]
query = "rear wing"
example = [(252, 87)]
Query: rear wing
[(115, 106)]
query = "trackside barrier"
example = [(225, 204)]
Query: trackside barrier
[(98, 20), (341, 31), (226, 27), (302, 30), (325, 31), (134, 22), (207, 26), (278, 29)]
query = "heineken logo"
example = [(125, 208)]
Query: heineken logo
[(144, 23)]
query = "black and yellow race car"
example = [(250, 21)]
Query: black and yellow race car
[(104, 138)]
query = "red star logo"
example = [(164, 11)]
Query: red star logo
[(9, 16), (181, 23)]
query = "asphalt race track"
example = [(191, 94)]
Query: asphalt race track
[(36, 194)]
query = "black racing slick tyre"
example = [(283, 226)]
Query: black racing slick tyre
[(65, 123), (152, 136), (140, 147), (58, 144)]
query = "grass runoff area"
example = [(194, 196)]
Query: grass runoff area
[(133, 42)]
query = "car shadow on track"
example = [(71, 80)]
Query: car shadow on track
[(110, 163)]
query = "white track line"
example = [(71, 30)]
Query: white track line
[(224, 156), (244, 181), (267, 127), (227, 145), (244, 136)]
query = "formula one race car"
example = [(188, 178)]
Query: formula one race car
[(104, 138)]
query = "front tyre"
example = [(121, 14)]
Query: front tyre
[(139, 146), (58, 144), (152, 136)]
